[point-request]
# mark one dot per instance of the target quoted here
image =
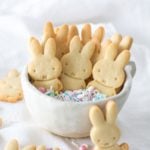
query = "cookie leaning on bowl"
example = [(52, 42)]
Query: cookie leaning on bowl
[(108, 73), (10, 87), (44, 68), (105, 133)]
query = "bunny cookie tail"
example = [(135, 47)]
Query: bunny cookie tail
[(124, 146)]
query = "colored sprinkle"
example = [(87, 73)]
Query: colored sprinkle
[(42, 89), (89, 94), (83, 147)]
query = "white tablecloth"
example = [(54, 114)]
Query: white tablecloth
[(19, 20)]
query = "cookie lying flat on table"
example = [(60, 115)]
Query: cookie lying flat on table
[(105, 133), (13, 145), (10, 87)]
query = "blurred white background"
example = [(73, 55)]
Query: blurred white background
[(129, 17)]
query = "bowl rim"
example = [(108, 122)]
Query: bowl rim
[(126, 86)]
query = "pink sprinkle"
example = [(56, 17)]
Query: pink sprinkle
[(42, 89), (83, 147)]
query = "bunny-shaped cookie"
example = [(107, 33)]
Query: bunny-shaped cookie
[(13, 145), (97, 37), (86, 33), (76, 64), (10, 87), (123, 42), (44, 68), (105, 133), (108, 73), (62, 35)]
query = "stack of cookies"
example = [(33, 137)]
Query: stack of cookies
[(64, 60)]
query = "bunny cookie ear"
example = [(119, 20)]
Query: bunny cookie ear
[(50, 48), (75, 44), (99, 34), (88, 49), (29, 147), (56, 29), (111, 112), (35, 47), (125, 43), (13, 73), (96, 116), (48, 32), (62, 33), (12, 145), (41, 147), (111, 51), (123, 59), (116, 38), (72, 32), (86, 33), (106, 43)]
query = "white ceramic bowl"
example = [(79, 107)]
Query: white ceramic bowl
[(68, 118)]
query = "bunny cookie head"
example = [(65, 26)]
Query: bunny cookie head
[(44, 65), (76, 63), (104, 133), (109, 71)]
